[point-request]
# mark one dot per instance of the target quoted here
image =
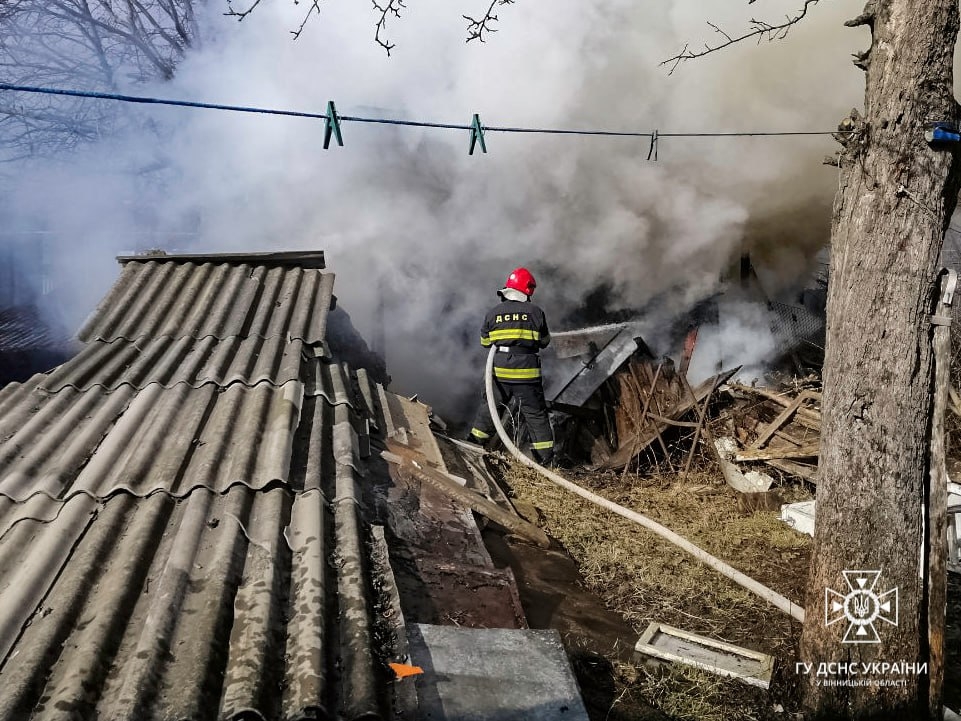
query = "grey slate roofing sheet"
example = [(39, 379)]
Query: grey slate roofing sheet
[(292, 258), (157, 298), (213, 606), (169, 360), (99, 442), (182, 527)]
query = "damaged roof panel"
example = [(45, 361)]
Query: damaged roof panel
[(585, 359)]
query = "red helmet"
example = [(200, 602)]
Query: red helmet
[(522, 280)]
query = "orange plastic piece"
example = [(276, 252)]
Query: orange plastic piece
[(404, 670)]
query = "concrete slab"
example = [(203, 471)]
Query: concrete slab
[(493, 675)]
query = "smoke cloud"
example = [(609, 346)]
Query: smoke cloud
[(409, 221)]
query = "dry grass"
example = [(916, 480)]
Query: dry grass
[(647, 579), (686, 694)]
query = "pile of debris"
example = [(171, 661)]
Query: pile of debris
[(780, 427), (653, 398), (625, 409)]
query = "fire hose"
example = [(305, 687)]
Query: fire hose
[(743, 580)]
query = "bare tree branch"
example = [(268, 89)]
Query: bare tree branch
[(477, 27), (88, 45), (314, 7), (391, 7), (760, 29), (241, 14)]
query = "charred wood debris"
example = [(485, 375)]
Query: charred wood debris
[(645, 417)]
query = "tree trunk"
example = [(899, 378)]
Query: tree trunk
[(895, 198)]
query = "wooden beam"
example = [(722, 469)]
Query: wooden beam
[(447, 485), (775, 425), (771, 454), (672, 422), (808, 473), (808, 417)]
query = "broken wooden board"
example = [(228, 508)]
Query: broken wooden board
[(724, 659), (793, 418), (450, 486), (807, 417), (793, 408), (776, 453), (808, 473), (635, 444)]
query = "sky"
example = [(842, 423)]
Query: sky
[(412, 223)]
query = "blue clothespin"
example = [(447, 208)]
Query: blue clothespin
[(476, 133), (942, 132), (332, 126), (652, 153)]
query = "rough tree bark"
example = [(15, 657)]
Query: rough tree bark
[(895, 198)]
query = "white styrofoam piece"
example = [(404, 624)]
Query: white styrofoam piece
[(750, 482), (799, 516)]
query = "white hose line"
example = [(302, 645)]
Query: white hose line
[(717, 564)]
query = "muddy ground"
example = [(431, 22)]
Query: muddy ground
[(606, 579)]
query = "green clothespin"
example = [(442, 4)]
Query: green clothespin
[(476, 133), (332, 125), (653, 151)]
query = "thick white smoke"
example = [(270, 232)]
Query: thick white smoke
[(408, 218)]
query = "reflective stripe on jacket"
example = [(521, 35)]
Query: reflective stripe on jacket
[(521, 325)]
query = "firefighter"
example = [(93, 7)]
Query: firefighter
[(518, 330)]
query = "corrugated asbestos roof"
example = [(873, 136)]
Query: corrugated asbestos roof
[(159, 298), (186, 512)]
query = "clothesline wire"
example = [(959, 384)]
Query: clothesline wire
[(147, 100)]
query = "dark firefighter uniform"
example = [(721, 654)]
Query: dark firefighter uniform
[(518, 330)]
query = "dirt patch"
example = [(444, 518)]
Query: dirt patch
[(645, 579), (599, 642)]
